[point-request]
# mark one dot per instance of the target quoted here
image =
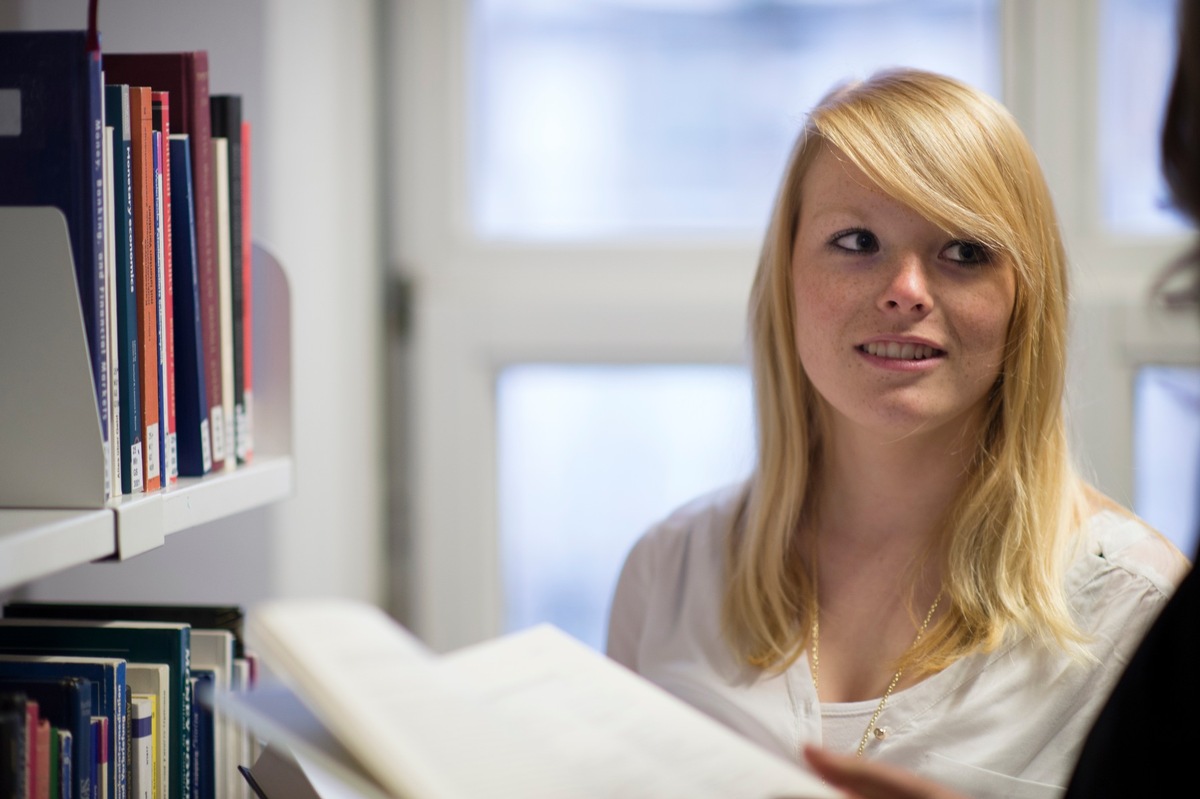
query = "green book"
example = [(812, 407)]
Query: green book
[(149, 642)]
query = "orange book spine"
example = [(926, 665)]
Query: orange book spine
[(141, 112)]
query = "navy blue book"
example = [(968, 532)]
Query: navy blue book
[(67, 704), (12, 732), (52, 153), (141, 642), (107, 677), (204, 783), (116, 115), (66, 774), (191, 393)]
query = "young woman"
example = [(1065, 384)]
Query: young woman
[(914, 572)]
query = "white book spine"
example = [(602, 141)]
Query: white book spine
[(141, 726)]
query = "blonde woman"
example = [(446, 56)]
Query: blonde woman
[(914, 572)]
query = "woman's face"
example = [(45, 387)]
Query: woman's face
[(900, 327)]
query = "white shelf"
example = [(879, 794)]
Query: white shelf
[(52, 510), (195, 501), (38, 543)]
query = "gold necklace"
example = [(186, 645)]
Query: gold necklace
[(814, 651)]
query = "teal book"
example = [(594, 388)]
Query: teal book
[(149, 642), (116, 115), (107, 677)]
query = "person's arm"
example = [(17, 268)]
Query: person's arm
[(869, 779)]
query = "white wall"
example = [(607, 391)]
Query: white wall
[(306, 69)]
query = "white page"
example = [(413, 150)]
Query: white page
[(591, 705), (379, 692), (532, 715)]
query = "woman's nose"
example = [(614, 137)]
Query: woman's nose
[(907, 289)]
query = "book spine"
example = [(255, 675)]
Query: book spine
[(162, 124), (66, 774), (160, 306), (141, 727), (206, 249), (129, 375), (145, 272), (94, 203), (227, 125), (191, 407), (221, 191), (247, 296), (110, 320)]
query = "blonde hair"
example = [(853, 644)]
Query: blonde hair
[(958, 158)]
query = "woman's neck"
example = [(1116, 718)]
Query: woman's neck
[(889, 495)]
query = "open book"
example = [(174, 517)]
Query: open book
[(532, 714)]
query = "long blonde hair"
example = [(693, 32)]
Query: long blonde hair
[(958, 158)]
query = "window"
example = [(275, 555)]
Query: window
[(604, 118)]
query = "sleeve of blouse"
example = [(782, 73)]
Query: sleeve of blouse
[(627, 616)]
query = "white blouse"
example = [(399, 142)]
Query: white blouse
[(1008, 723)]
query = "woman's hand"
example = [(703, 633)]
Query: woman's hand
[(866, 779)]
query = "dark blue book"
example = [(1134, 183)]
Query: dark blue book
[(12, 732), (142, 642), (107, 677), (52, 153), (67, 704), (66, 773), (191, 393), (203, 738), (116, 112)]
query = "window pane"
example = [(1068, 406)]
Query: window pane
[(599, 118), (1137, 51), (589, 457), (1166, 462)]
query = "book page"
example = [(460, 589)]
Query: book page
[(617, 725), (531, 715), (380, 693)]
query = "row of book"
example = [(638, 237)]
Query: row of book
[(104, 701), (153, 177)]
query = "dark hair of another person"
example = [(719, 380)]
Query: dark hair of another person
[(1181, 134)]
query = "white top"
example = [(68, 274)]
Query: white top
[(1008, 723)]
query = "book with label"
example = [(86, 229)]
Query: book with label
[(247, 437), (533, 714), (52, 153), (153, 679), (221, 192), (141, 729), (185, 76), (116, 112), (191, 396), (141, 115), (227, 125), (166, 284), (113, 377), (152, 642)]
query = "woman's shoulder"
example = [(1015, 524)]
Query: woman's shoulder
[(1118, 547), (702, 522)]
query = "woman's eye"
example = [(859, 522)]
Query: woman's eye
[(856, 241), (966, 252)]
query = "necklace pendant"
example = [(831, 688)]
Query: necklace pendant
[(880, 733)]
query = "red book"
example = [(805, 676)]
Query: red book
[(31, 747), (141, 115), (247, 297), (162, 124), (43, 759), (185, 76)]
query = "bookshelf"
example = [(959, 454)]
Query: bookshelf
[(52, 510)]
